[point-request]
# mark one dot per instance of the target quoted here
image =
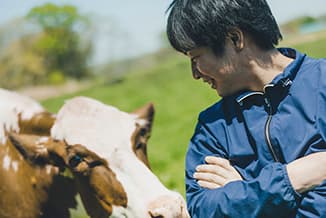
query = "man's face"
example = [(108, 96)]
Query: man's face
[(220, 72)]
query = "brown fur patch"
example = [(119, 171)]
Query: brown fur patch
[(39, 124), (139, 143), (96, 182), (142, 132), (26, 193), (31, 186), (40, 152)]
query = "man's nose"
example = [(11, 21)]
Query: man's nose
[(195, 72)]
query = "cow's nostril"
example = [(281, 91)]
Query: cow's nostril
[(168, 206), (155, 215)]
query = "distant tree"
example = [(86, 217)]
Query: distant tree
[(20, 66), (59, 42), (293, 26)]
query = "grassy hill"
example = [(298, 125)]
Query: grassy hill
[(177, 98)]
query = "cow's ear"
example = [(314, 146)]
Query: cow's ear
[(40, 149), (143, 131), (40, 124), (146, 112)]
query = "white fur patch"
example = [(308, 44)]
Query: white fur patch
[(6, 162), (8, 122), (14, 165), (140, 184), (48, 169), (141, 122), (99, 127), (11, 105), (42, 140)]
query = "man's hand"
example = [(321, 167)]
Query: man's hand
[(216, 173)]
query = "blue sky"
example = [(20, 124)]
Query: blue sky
[(133, 27)]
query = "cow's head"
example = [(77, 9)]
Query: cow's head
[(105, 149), (107, 153)]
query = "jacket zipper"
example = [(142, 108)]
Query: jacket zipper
[(267, 131)]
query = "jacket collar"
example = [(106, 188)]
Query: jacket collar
[(284, 79)]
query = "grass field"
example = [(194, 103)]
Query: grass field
[(313, 44), (315, 49), (177, 98)]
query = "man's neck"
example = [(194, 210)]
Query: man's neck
[(265, 66)]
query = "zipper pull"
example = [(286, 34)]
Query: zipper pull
[(268, 105), (267, 102)]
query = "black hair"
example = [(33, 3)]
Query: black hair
[(195, 23)]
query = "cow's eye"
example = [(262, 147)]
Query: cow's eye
[(75, 160), (142, 132), (139, 145)]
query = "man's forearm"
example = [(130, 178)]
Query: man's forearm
[(307, 172), (257, 197)]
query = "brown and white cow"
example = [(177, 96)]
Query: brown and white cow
[(106, 150), (29, 190)]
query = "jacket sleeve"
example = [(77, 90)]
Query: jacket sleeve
[(270, 191), (321, 107), (313, 204)]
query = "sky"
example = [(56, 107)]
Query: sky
[(127, 28)]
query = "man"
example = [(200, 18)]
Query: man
[(260, 150)]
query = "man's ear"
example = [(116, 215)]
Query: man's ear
[(237, 38), (40, 149)]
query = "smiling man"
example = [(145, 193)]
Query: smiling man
[(261, 148)]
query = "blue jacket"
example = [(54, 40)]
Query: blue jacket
[(259, 133)]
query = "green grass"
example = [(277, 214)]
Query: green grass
[(315, 49), (313, 44), (178, 99)]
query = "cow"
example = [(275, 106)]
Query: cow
[(28, 190), (105, 149)]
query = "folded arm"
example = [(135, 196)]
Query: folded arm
[(223, 193), (304, 173)]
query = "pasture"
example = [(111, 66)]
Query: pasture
[(177, 98)]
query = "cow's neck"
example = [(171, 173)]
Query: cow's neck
[(22, 184)]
